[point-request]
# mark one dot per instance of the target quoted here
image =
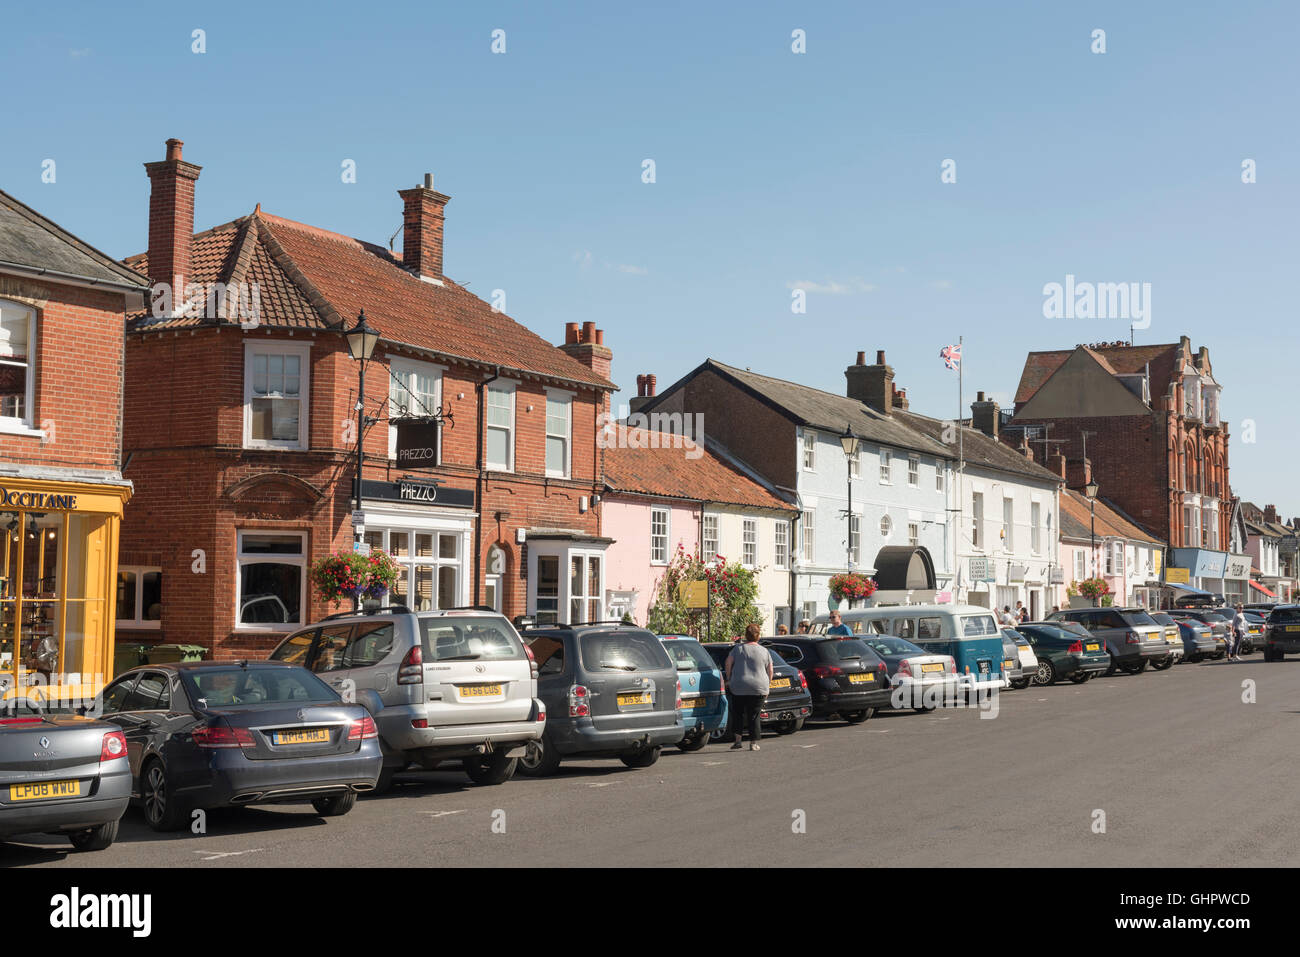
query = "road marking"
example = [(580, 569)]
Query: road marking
[(442, 813), (216, 855), (1042, 699), (601, 784), (711, 764), (805, 745)]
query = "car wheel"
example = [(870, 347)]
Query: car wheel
[(1046, 673), (718, 735), (789, 727), (493, 768), (540, 758), (1020, 684), (1163, 663), (385, 782), (1111, 670), (161, 810), (693, 742), (641, 759), (94, 838), (857, 717), (335, 805)]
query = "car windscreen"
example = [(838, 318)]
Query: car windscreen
[(689, 651), (847, 649), (972, 626), (223, 687), (887, 645), (1284, 615), (468, 638), (622, 651)]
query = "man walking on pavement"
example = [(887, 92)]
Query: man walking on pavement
[(1239, 631)]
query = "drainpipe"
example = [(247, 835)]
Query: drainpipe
[(481, 388)]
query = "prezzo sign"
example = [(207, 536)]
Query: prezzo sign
[(417, 443), (417, 493)]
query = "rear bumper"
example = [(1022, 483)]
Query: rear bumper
[(703, 722), (580, 736), (918, 692), (1288, 646), (450, 740), (235, 779), (852, 701), (108, 802)]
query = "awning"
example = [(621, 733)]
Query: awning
[(1260, 588), (904, 567), (1188, 588)]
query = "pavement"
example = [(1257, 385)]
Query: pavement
[(1175, 768)]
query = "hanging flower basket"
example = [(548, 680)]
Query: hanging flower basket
[(348, 575), (852, 586), (1093, 588)]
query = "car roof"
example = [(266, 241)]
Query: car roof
[(251, 664)]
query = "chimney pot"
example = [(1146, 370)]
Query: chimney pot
[(428, 181), (862, 358), (873, 386), (984, 415), (174, 149), (600, 337), (880, 357), (650, 385), (588, 332), (640, 385)]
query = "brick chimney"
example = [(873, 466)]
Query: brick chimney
[(587, 345), (872, 385), (422, 218), (1078, 473), (1270, 513), (900, 399), (1057, 464), (645, 391), (171, 219), (984, 415)]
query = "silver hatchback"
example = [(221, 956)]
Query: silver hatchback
[(456, 684)]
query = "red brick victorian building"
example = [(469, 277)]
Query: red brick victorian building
[(240, 427)]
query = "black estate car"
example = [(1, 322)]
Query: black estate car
[(844, 676)]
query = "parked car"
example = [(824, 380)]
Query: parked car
[(1028, 659), (920, 680), (1011, 667), (844, 676), (1199, 641), (1218, 627), (789, 703), (1065, 650), (1282, 636), (610, 690), (62, 774), (1255, 624), (456, 684), (206, 734), (1174, 636), (1131, 636), (704, 701)]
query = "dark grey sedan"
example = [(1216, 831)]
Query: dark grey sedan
[(62, 774), (212, 733)]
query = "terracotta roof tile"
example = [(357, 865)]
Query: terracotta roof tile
[(1075, 517)]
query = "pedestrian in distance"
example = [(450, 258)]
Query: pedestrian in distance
[(1239, 631), (837, 627), (1021, 613), (805, 626), (782, 630), (749, 678)]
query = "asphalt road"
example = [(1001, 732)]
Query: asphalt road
[(1185, 772)]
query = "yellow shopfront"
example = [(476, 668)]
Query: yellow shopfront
[(58, 586)]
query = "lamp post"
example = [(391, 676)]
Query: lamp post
[(361, 346), (1090, 492), (849, 443)]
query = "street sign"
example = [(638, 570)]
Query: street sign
[(360, 548), (694, 594), (358, 519), (1177, 576), (981, 570)]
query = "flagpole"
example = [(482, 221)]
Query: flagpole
[(961, 471)]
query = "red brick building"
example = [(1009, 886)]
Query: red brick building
[(1157, 446), (240, 426), (63, 307)]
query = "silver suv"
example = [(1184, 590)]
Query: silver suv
[(450, 684)]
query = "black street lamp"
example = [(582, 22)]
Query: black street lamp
[(849, 443), (361, 346), (1090, 492)]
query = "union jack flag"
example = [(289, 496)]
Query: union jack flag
[(951, 356)]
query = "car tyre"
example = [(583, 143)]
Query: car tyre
[(857, 717), (1111, 670), (1164, 663), (788, 727), (489, 769), (641, 759), (693, 742), (335, 805), (162, 811), (94, 838), (1046, 673), (540, 758)]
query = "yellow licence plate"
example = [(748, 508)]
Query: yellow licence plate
[(779, 683), (627, 699), (861, 679), (45, 790), (1008, 663), (935, 666), (692, 703), (479, 691), (1293, 627), (1093, 647), (306, 736)]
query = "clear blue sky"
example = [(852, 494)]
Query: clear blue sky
[(773, 169)]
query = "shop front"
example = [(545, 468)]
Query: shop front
[(58, 585), (1236, 580)]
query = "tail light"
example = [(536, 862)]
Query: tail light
[(411, 671), (803, 681), (905, 668), (541, 715), (952, 666), (579, 702), (532, 660), (881, 666), (114, 746), (1076, 648), (420, 723), (825, 671), (1132, 638), (220, 736), (722, 684), (365, 728), (679, 693), (10, 722)]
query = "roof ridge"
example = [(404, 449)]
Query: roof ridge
[(324, 308)]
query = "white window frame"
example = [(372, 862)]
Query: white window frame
[(138, 622), (509, 388), (886, 467), (977, 518), (914, 534), (1080, 564), (855, 463), (386, 527), (567, 398), (709, 538), (781, 539), (749, 542), (304, 609), (809, 450), (808, 534), (855, 537), (655, 512), (938, 475), (282, 347), (23, 424), (1035, 530), (914, 471), (1008, 523), (399, 368), (886, 526)]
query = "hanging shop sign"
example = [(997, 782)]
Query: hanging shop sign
[(417, 443), (981, 570)]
